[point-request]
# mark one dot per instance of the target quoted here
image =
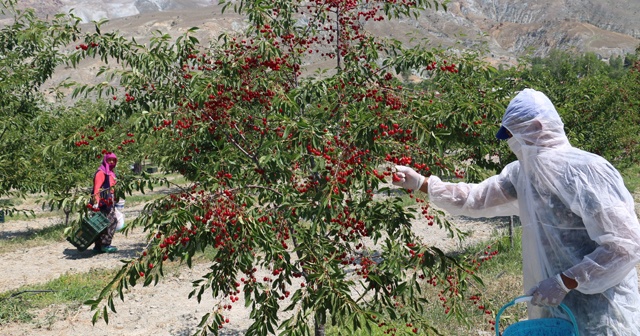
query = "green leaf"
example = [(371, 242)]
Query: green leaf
[(111, 305), (105, 315), (204, 320)]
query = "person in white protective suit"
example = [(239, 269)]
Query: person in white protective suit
[(580, 232)]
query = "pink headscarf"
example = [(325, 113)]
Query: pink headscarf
[(105, 166)]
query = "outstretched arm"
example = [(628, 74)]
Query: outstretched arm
[(495, 196)]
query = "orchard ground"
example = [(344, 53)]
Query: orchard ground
[(155, 310)]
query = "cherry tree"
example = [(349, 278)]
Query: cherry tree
[(290, 169)]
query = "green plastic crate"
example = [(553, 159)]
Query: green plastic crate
[(86, 234)]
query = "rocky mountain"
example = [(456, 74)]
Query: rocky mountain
[(513, 28), (507, 29)]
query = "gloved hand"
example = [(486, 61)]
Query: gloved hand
[(96, 207), (549, 292), (408, 178)]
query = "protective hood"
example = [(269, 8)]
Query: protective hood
[(534, 122)]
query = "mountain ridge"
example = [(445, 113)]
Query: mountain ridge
[(506, 29)]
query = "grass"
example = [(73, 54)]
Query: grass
[(177, 179), (631, 178), (375, 331), (69, 290), (35, 303), (152, 195), (21, 216), (142, 198), (33, 238), (502, 277), (11, 201)]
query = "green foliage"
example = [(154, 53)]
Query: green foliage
[(31, 49), (598, 102), (70, 149), (36, 138), (469, 105), (631, 177)]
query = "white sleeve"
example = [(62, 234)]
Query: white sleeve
[(607, 211), (495, 196)]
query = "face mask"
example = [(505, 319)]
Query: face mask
[(515, 146)]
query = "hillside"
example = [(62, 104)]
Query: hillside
[(504, 30), (508, 28)]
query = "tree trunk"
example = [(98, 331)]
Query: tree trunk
[(137, 168), (319, 325)]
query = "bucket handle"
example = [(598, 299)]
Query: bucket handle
[(527, 299)]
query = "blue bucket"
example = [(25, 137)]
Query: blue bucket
[(539, 327)]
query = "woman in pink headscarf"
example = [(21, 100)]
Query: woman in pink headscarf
[(103, 200)]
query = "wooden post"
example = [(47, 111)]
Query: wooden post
[(511, 230)]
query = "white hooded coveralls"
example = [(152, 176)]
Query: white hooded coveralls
[(577, 218)]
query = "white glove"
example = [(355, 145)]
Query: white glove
[(549, 292), (96, 207), (408, 178)]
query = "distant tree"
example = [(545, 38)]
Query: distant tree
[(616, 62), (589, 64), (630, 60), (616, 65), (598, 103), (30, 51)]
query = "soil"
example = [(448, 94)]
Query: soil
[(161, 310)]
